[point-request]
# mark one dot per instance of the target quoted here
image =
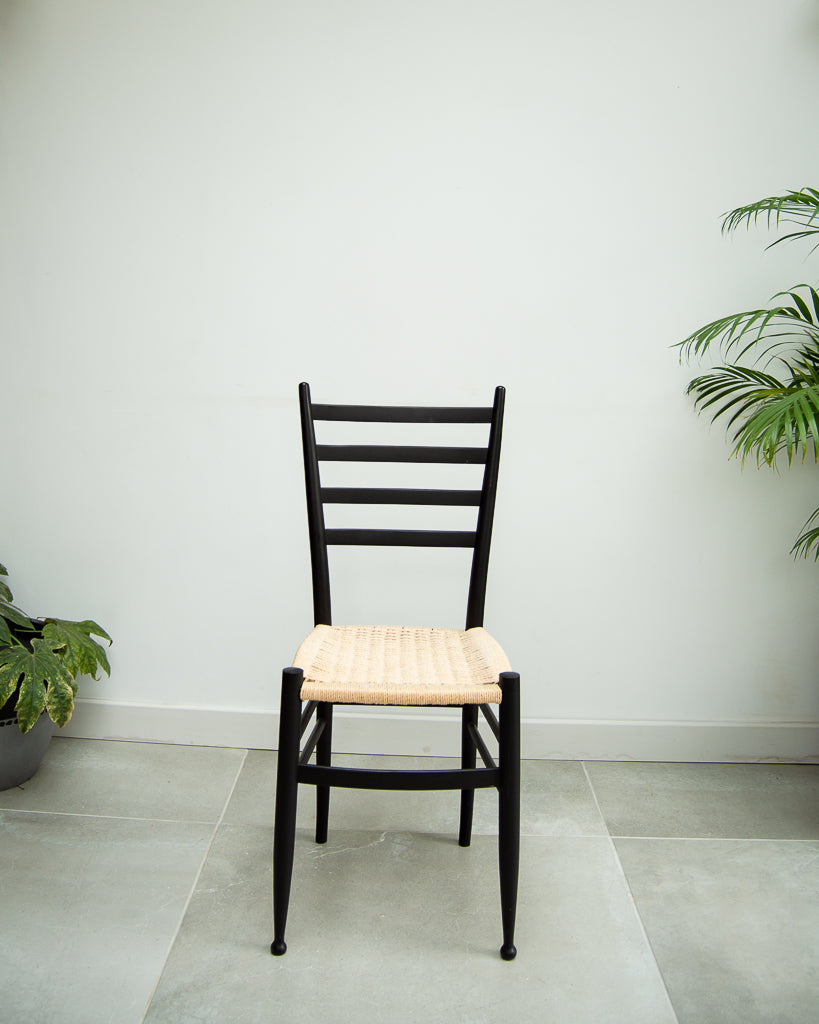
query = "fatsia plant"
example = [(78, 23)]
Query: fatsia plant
[(40, 660), (766, 386)]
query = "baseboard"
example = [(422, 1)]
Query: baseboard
[(436, 732)]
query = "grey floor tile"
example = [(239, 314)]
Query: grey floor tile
[(709, 801), (89, 909), (131, 780), (395, 927), (555, 800), (733, 926)]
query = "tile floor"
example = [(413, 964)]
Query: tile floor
[(135, 886)]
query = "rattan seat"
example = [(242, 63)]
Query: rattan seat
[(401, 665)]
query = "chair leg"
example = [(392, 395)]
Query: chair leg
[(284, 834), (469, 714), (509, 808), (324, 749)]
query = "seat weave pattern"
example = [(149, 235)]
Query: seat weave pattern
[(401, 665)]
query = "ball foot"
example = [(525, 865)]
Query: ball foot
[(508, 952), (279, 947)]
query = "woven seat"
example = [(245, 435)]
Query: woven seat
[(401, 665), (396, 666)]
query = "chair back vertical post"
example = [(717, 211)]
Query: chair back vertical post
[(486, 514), (315, 513)]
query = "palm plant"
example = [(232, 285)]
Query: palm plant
[(767, 385)]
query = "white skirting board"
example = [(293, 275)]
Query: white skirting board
[(437, 732)]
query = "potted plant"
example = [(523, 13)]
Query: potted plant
[(767, 384), (40, 660)]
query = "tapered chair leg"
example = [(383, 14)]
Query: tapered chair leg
[(324, 749), (509, 808), (469, 715), (284, 835)]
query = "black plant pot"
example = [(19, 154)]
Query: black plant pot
[(21, 755)]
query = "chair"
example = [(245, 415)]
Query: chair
[(399, 665)]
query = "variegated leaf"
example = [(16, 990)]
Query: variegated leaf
[(42, 681), (80, 654)]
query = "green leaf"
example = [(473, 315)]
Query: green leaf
[(800, 207), (803, 309), (8, 681), (772, 414), (80, 654), (788, 420), (808, 540), (8, 611), (42, 681), (760, 328)]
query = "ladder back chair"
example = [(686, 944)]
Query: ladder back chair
[(407, 666)]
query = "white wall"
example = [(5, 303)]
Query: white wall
[(204, 203)]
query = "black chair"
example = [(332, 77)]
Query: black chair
[(399, 665)]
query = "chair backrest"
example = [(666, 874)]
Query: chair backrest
[(318, 496)]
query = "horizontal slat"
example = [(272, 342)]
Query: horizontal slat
[(399, 453), (401, 414), (368, 778), (397, 496), (404, 538)]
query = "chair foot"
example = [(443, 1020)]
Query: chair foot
[(508, 952), (279, 947)]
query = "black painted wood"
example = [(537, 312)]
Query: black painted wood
[(486, 514), (310, 745), (284, 833), (324, 753), (370, 778), (306, 715), (397, 496), (401, 414), (415, 453), (404, 538), (469, 719), (489, 715), (315, 513), (481, 747), (509, 807)]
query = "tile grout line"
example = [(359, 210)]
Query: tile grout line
[(622, 872), (196, 878), (104, 817), (714, 839)]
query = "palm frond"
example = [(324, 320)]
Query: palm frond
[(733, 385), (800, 207), (785, 421), (765, 330), (808, 540), (772, 415)]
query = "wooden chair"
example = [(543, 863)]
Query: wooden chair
[(406, 666)]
